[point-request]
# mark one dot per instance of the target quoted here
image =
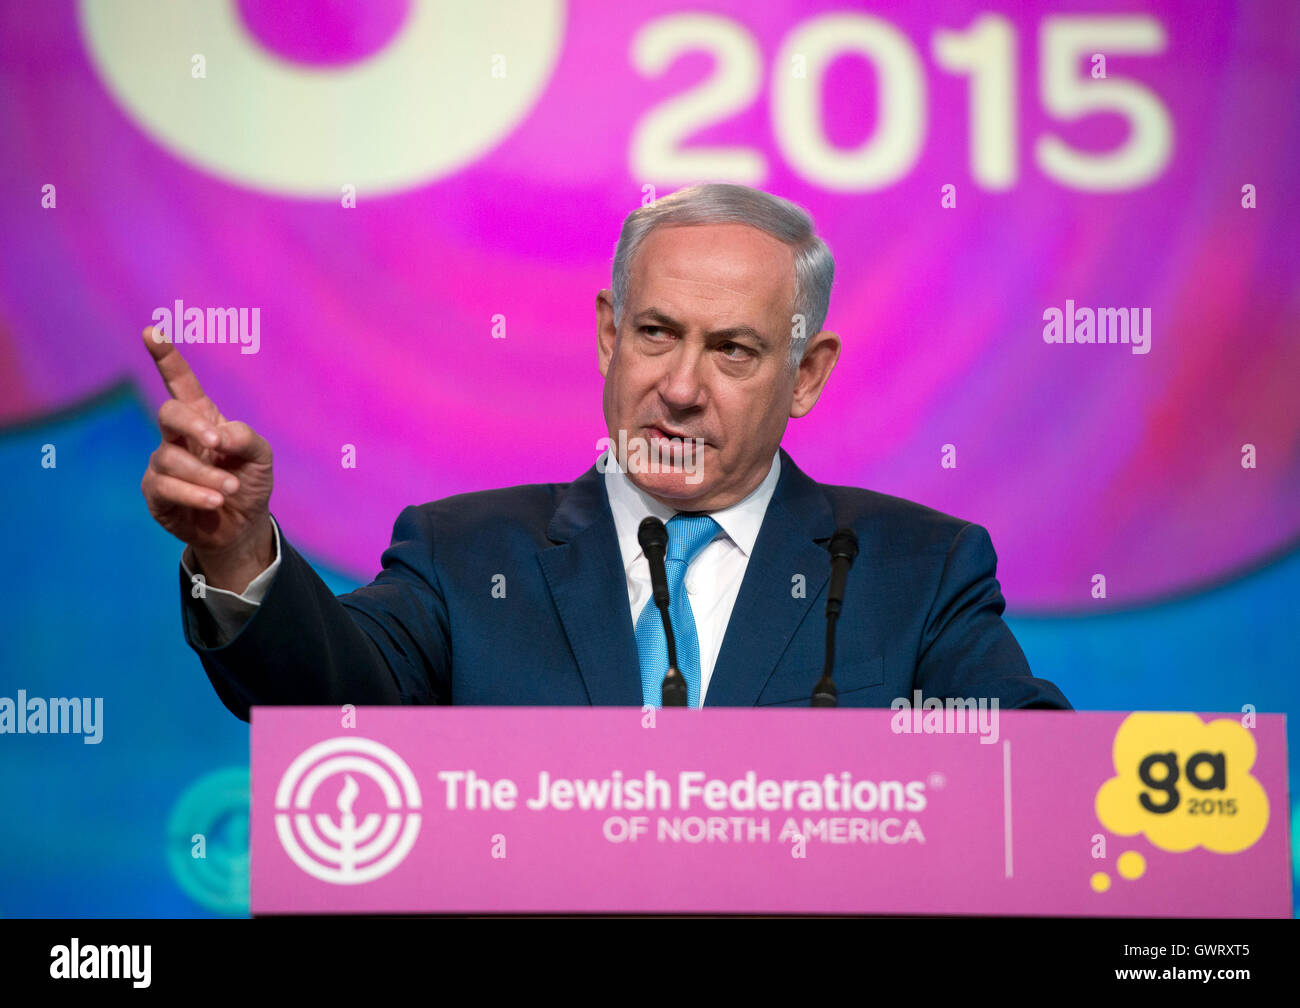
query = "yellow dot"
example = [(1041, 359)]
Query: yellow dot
[(1100, 881), (1131, 864)]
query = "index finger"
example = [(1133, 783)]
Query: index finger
[(176, 374)]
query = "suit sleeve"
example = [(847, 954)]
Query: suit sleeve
[(967, 648), (386, 643)]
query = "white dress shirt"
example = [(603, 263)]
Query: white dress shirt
[(712, 581)]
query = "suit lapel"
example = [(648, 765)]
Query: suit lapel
[(585, 575), (766, 616)]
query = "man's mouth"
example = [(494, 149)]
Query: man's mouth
[(677, 448), (667, 434)]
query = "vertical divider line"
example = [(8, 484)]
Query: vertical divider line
[(1006, 802)]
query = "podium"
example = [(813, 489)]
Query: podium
[(947, 810)]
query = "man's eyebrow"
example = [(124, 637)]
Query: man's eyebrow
[(731, 332)]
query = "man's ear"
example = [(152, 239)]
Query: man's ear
[(814, 371), (606, 331)]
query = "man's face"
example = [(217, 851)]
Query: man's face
[(702, 351)]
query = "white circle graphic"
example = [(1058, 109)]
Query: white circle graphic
[(455, 80), (352, 850)]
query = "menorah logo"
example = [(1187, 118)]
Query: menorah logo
[(347, 852)]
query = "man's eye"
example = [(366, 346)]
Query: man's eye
[(734, 351), (652, 329)]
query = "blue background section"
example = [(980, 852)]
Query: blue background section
[(89, 608)]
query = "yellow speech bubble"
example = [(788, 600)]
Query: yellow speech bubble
[(1184, 783)]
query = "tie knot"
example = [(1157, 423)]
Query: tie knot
[(688, 535)]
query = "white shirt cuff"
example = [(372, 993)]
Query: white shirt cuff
[(231, 610)]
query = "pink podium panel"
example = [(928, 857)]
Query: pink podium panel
[(913, 811)]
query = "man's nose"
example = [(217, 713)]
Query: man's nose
[(682, 385)]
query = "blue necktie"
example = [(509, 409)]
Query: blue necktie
[(687, 537)]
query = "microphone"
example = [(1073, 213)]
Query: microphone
[(843, 548), (653, 537)]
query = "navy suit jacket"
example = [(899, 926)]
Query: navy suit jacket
[(922, 610)]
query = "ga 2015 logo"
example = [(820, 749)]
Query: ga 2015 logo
[(1184, 783)]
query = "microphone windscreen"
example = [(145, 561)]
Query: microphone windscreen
[(844, 543), (652, 533)]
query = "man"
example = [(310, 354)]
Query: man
[(516, 596)]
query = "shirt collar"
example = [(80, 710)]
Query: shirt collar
[(630, 505)]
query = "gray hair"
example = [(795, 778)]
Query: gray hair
[(727, 203)]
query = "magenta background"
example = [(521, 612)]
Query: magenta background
[(559, 862), (376, 322)]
